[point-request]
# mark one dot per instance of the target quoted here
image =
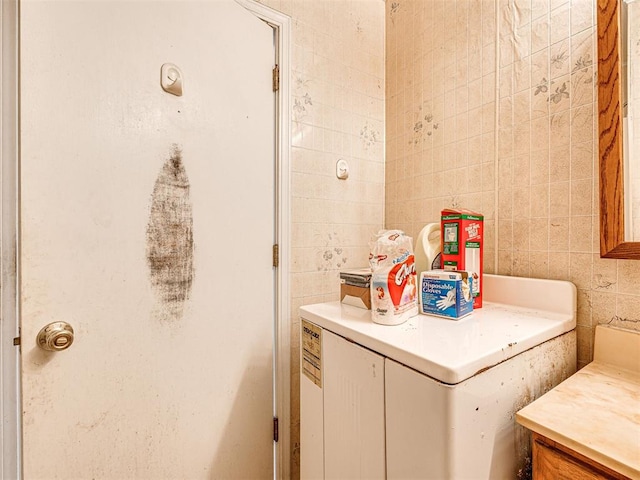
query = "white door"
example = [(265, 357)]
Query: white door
[(147, 223)]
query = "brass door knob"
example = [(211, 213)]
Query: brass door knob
[(55, 337)]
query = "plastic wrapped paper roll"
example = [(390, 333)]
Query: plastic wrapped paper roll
[(393, 281)]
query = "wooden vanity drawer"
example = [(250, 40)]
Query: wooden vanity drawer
[(553, 461)]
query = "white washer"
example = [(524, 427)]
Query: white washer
[(443, 404)]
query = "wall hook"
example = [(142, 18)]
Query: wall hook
[(342, 169), (171, 79)]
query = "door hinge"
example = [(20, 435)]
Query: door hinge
[(16, 341), (276, 78), (275, 429), (276, 255)]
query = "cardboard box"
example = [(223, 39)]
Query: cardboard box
[(356, 296), (355, 287), (462, 239), (446, 293)]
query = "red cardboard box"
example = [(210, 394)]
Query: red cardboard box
[(462, 237)]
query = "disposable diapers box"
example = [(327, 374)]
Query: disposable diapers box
[(446, 293), (462, 237)]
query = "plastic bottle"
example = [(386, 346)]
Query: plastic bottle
[(428, 249)]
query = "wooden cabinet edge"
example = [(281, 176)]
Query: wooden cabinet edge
[(551, 459)]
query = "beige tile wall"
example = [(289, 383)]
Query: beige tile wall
[(440, 112), (337, 88), (443, 69), (548, 150)]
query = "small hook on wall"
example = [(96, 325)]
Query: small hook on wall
[(171, 79), (342, 169)]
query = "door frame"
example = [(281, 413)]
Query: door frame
[(10, 434), (281, 24)]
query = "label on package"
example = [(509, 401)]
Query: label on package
[(450, 234)]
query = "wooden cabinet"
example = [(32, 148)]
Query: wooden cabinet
[(587, 426), (554, 461)]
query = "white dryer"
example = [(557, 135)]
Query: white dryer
[(432, 398)]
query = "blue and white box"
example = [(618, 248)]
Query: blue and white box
[(446, 293)]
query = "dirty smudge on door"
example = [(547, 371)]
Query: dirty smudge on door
[(170, 237)]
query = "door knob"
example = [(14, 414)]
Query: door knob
[(55, 337)]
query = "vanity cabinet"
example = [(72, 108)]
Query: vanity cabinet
[(554, 461), (588, 426)]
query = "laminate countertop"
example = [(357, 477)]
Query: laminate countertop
[(596, 411)]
